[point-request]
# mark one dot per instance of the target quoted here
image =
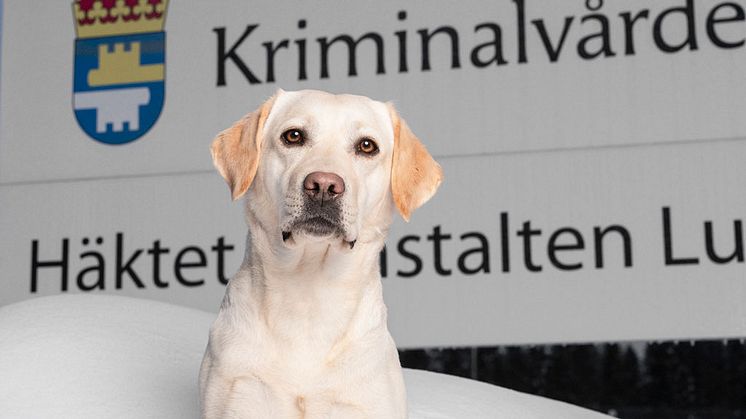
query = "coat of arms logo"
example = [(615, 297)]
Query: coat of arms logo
[(120, 57)]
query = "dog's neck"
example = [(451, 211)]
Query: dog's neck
[(314, 291)]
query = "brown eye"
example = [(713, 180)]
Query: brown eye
[(367, 146), (293, 137)]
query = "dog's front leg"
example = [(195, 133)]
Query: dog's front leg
[(244, 397), (345, 412)]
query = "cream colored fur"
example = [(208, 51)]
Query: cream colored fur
[(302, 329)]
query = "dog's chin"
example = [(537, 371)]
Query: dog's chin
[(316, 230)]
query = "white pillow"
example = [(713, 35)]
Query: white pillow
[(85, 356)]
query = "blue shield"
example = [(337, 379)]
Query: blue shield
[(119, 85)]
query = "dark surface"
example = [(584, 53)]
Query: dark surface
[(690, 380)]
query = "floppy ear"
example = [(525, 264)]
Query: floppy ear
[(415, 176), (236, 150)]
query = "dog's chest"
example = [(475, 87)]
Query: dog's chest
[(302, 350)]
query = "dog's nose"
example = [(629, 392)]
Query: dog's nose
[(323, 186)]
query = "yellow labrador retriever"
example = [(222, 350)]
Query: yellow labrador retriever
[(301, 332)]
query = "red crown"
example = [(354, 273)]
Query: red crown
[(115, 17)]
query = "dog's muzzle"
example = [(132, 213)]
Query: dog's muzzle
[(322, 212)]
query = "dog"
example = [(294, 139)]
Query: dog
[(301, 331)]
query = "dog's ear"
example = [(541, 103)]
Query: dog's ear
[(236, 150), (415, 176)]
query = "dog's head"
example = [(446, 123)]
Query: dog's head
[(323, 167)]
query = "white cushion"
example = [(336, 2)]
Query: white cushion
[(85, 356)]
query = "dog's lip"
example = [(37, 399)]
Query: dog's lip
[(318, 225), (287, 235), (319, 219)]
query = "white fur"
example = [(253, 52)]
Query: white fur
[(302, 329)]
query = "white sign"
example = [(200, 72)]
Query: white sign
[(592, 153)]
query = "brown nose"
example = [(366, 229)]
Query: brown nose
[(323, 186)]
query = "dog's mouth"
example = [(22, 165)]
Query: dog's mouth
[(316, 226), (317, 222)]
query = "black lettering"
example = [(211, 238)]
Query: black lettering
[(402, 38), (383, 263), (179, 264), (126, 267), (553, 247), (737, 239), (496, 46), (520, 11), (219, 249), (98, 268), (598, 237), (668, 243), (691, 37), (224, 55), (301, 43), (436, 238), (352, 53), (552, 52), (427, 36), (157, 251), (271, 50), (629, 35), (504, 242), (36, 264), (712, 21), (409, 255), (603, 35), (526, 233), (483, 249)]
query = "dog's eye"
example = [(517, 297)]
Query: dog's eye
[(293, 137), (367, 146)]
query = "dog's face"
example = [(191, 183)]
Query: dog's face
[(322, 167)]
